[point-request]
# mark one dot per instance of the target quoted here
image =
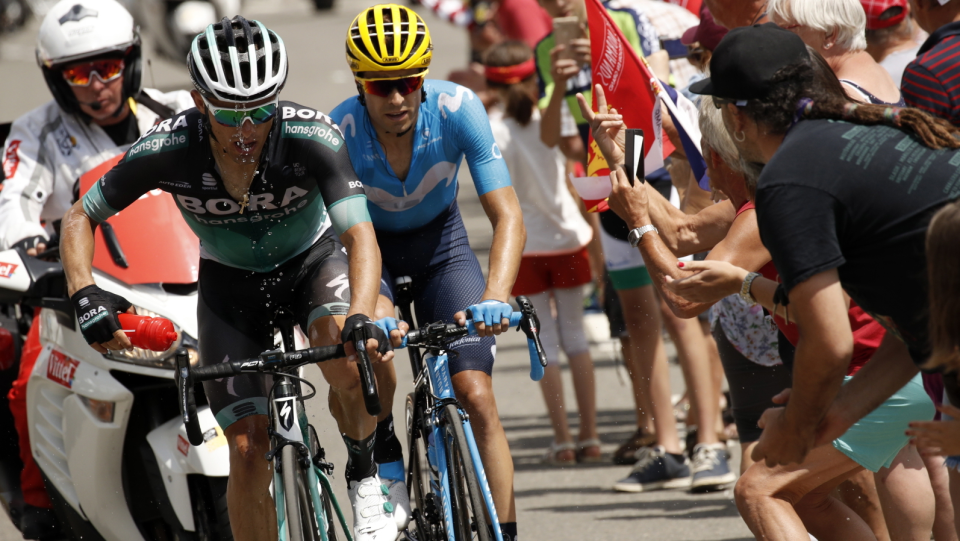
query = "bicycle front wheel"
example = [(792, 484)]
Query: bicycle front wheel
[(469, 511), (291, 493)]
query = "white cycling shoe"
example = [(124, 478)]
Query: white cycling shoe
[(400, 500), (372, 511)]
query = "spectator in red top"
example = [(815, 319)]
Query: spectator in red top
[(929, 82)]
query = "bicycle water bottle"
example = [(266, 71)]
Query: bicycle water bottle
[(144, 332)]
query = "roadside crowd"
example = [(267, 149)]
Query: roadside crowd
[(813, 266)]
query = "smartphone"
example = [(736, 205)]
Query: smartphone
[(565, 30), (634, 154)]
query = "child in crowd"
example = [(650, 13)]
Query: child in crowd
[(555, 262)]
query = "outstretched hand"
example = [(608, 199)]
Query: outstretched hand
[(607, 126), (628, 202), (712, 280), (934, 438)]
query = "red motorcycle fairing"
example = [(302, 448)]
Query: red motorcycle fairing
[(158, 245)]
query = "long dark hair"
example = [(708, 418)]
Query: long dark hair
[(943, 266), (797, 91), (519, 103)]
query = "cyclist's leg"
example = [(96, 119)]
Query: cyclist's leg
[(388, 451), (321, 301), (231, 332), (448, 287)]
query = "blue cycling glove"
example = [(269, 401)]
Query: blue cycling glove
[(388, 324), (490, 312)]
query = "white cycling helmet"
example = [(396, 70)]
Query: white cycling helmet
[(75, 30), (236, 60)]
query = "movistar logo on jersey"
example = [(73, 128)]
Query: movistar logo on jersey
[(318, 132), (160, 142)]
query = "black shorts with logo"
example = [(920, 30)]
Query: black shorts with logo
[(236, 311)]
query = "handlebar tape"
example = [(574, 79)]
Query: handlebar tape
[(368, 382), (215, 371)]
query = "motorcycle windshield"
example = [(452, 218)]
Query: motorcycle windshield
[(157, 244)]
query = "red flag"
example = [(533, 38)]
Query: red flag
[(628, 85)]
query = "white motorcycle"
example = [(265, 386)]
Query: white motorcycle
[(106, 430)]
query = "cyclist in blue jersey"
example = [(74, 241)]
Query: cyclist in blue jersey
[(407, 137)]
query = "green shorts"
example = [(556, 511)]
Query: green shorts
[(874, 441)]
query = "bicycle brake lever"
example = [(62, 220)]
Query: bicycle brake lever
[(187, 398), (368, 382)]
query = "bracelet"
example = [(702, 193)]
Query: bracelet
[(745, 288)]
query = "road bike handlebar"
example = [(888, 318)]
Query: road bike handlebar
[(269, 362), (438, 335)]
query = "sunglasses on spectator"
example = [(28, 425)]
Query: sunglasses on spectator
[(384, 87), (720, 102), (82, 74), (235, 117)]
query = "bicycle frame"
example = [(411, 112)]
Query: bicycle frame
[(438, 371), (433, 381)]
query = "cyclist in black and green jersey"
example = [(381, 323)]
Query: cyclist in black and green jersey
[(269, 188)]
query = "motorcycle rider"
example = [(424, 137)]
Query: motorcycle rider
[(90, 55), (407, 137), (268, 187)]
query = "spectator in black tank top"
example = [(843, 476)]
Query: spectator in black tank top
[(841, 205)]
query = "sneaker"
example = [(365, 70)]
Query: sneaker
[(710, 468), (372, 512), (656, 469), (625, 454), (399, 498)]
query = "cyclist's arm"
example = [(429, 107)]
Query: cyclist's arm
[(490, 175), (509, 237), (347, 205), (27, 186), (116, 190)]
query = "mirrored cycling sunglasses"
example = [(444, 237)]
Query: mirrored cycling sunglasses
[(385, 87), (234, 118), (82, 74)]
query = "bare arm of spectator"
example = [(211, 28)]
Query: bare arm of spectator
[(741, 246), (561, 70)]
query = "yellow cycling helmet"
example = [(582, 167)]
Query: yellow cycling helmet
[(388, 37)]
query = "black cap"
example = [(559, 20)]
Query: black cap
[(745, 61)]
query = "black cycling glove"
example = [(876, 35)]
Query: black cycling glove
[(371, 330), (97, 313)]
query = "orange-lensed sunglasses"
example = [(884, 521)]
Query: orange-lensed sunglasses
[(384, 87), (82, 74)]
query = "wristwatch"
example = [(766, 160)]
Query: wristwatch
[(636, 235), (745, 288)]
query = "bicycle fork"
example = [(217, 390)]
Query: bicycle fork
[(290, 422), (439, 373)]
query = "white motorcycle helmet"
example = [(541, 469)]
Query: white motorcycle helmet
[(75, 30)]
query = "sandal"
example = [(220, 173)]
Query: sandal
[(586, 453), (560, 454)]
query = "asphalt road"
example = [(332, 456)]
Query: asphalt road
[(559, 504)]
